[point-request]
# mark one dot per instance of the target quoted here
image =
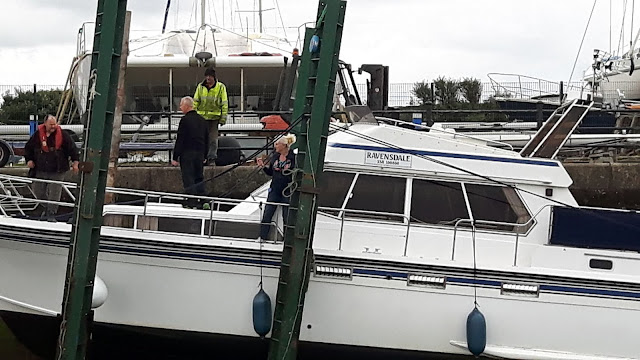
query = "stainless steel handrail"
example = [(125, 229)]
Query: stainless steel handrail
[(430, 128), (488, 222)]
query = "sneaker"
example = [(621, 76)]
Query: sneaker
[(206, 206)]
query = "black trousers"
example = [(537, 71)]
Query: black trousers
[(192, 169), (275, 195)]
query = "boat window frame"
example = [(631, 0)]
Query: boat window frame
[(403, 216), (532, 219), (437, 226)]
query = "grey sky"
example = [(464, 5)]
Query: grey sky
[(418, 39)]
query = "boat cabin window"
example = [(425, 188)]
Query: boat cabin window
[(497, 204), (437, 202), (333, 190), (118, 220), (377, 193), (232, 229), (170, 224)]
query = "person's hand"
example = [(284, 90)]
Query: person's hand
[(174, 163), (260, 162), (31, 164), (74, 167)]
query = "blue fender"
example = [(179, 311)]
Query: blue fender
[(476, 332), (262, 317)]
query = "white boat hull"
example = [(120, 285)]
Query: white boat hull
[(209, 289)]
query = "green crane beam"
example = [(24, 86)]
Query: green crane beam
[(313, 103), (85, 235)]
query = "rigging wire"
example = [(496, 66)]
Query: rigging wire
[(193, 14), (582, 41), (621, 38), (633, 5), (281, 20)]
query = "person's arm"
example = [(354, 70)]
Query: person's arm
[(196, 98), (179, 145), (225, 104), (30, 147), (269, 168), (70, 150)]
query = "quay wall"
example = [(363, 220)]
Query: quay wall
[(615, 185)]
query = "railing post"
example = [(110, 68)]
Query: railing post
[(515, 253), (539, 115), (341, 229), (406, 242)]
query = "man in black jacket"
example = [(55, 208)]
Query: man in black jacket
[(190, 150), (47, 153)]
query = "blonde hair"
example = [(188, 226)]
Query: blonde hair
[(287, 140)]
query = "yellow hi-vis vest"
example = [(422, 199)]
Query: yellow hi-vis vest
[(212, 103)]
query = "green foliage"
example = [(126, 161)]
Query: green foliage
[(451, 94), (422, 91), (17, 107), (471, 90), (447, 92)]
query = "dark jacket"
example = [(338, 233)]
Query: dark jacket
[(55, 161), (280, 181), (193, 135)]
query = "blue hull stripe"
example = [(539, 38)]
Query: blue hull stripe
[(445, 155), (268, 260)]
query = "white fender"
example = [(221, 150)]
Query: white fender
[(100, 293)]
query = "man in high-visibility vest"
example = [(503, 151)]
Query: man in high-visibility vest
[(210, 101)]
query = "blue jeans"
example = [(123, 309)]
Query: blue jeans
[(276, 197)]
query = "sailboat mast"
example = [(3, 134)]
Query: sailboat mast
[(260, 14), (202, 11)]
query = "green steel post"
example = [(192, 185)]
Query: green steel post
[(85, 236), (313, 103)]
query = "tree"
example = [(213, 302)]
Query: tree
[(471, 90), (447, 91), (422, 91), (17, 107)]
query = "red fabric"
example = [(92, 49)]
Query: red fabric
[(274, 122), (42, 134)]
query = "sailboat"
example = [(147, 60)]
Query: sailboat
[(163, 68)]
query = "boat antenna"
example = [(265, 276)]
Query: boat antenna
[(166, 14), (582, 41)]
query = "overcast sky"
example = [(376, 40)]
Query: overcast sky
[(418, 39)]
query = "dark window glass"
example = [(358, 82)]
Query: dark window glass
[(333, 189), (437, 202), (378, 193), (601, 264), (115, 220), (168, 224), (232, 229), (499, 204)]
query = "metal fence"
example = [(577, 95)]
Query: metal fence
[(261, 97)]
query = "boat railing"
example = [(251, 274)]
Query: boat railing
[(454, 134), (342, 213), (523, 86), (517, 226), (17, 196)]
